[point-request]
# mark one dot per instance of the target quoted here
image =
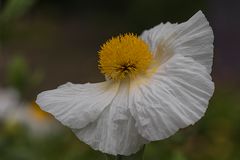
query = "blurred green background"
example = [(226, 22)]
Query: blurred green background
[(45, 43)]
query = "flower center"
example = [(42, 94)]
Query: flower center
[(124, 56)]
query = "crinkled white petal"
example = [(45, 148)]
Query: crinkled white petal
[(176, 96), (76, 105), (97, 113), (193, 38), (114, 132)]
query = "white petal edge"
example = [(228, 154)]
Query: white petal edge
[(193, 38), (175, 97), (114, 132), (77, 105)]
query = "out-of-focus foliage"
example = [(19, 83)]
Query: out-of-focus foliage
[(17, 143), (17, 71), (15, 9), (20, 76), (12, 10)]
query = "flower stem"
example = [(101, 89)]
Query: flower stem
[(136, 156)]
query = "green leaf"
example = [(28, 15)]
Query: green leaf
[(15, 9)]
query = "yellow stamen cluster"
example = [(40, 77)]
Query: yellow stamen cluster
[(124, 56)]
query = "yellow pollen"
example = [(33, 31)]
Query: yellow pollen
[(124, 56)]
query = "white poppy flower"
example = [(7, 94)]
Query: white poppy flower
[(38, 123), (156, 84), (9, 101)]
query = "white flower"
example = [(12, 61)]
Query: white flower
[(38, 123), (13, 111), (156, 84), (9, 100)]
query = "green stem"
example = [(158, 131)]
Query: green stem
[(136, 156)]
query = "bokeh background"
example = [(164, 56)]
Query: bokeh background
[(45, 43)]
